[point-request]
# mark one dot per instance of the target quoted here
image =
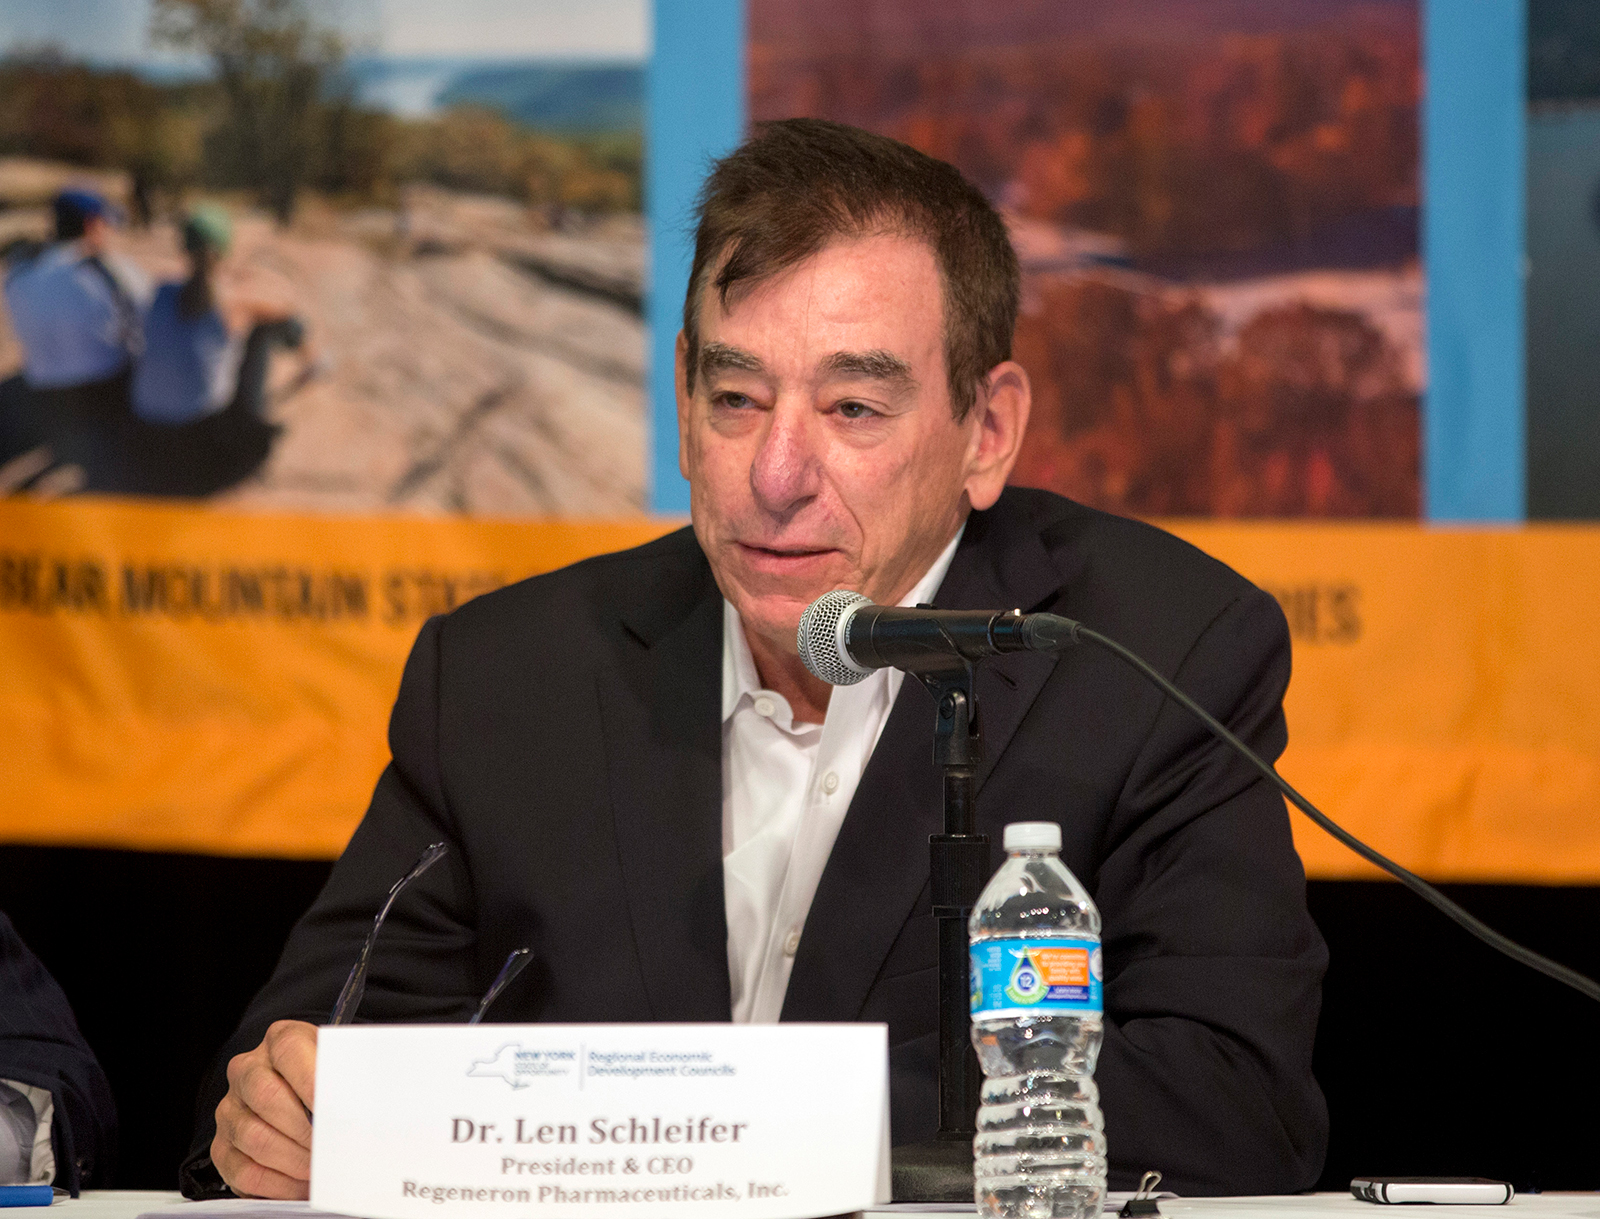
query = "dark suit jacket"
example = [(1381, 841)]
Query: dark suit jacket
[(40, 1046), (564, 735)]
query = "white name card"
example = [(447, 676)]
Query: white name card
[(658, 1121)]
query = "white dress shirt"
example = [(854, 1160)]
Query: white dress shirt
[(785, 789), (26, 1116)]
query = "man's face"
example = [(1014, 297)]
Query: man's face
[(819, 442), (96, 237)]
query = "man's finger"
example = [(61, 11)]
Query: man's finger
[(292, 1049), (255, 1086), (245, 1176), (251, 1180), (261, 1142)]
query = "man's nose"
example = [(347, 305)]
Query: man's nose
[(785, 473)]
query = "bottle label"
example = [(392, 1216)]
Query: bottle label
[(1054, 976)]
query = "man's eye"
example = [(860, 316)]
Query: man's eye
[(856, 410), (733, 401)]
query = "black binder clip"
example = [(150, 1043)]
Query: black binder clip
[(1143, 1203)]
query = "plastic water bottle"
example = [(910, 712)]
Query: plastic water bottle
[(1040, 1151)]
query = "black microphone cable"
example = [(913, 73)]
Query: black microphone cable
[(1076, 632)]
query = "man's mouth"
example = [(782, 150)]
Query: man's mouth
[(778, 557)]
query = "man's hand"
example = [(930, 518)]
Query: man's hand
[(263, 1143)]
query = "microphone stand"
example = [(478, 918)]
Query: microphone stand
[(941, 1170)]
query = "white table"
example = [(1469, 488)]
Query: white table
[(129, 1204), (1343, 1206), (105, 1204)]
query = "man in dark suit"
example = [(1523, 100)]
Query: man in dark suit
[(58, 1121), (639, 779)]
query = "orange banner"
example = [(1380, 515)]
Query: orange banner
[(1445, 705), (185, 680), (218, 682)]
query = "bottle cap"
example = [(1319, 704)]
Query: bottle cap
[(1033, 836)]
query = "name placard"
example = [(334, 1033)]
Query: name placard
[(658, 1121)]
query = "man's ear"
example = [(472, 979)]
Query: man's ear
[(680, 367), (1005, 399)]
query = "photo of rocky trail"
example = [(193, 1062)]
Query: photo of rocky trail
[(452, 211), (476, 360)]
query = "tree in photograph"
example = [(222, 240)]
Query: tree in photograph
[(1143, 406), (1314, 418), (1124, 395), (273, 63), (57, 109)]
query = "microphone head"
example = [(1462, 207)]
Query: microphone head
[(821, 637)]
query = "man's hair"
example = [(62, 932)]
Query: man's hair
[(798, 184), (70, 222), (74, 209)]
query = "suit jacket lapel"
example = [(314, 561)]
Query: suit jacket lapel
[(1009, 569), (661, 711), (879, 863)]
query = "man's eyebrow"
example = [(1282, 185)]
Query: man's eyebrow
[(719, 357), (872, 365)]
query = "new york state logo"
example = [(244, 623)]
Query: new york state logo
[(519, 1066)]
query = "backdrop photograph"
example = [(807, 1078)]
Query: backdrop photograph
[(446, 206), (1563, 190), (319, 318), (1216, 210)]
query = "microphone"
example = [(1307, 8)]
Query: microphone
[(843, 636)]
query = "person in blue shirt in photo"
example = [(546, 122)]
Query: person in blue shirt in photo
[(199, 390), (75, 306), (209, 337)]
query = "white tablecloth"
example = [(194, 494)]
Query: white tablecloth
[(129, 1204)]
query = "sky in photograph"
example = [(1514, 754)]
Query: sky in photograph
[(116, 30)]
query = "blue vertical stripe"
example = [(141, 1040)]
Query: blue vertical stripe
[(1474, 131), (696, 111)]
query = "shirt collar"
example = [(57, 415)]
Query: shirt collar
[(739, 676)]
